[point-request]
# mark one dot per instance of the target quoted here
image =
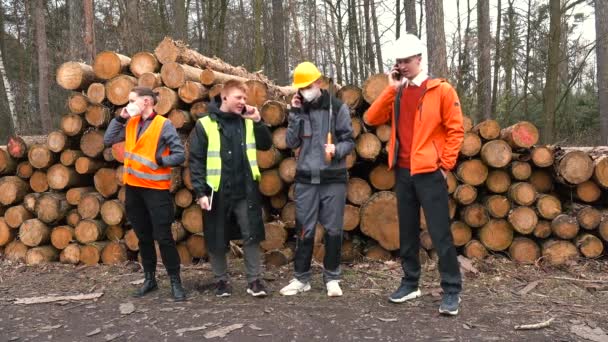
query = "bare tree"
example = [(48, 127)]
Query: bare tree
[(496, 58), (438, 64), (601, 34), (377, 37), (76, 29), (410, 16), (369, 52), (43, 64), (484, 61), (551, 87), (280, 64), (397, 19), (89, 31), (5, 82), (180, 22), (258, 50)]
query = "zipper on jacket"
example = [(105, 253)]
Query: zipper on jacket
[(436, 149)]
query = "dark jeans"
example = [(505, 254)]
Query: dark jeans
[(151, 212), (428, 190), (251, 248)]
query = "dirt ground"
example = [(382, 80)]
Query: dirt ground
[(495, 300)]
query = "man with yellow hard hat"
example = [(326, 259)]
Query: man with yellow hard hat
[(320, 129)]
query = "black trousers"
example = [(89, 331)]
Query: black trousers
[(151, 213), (428, 190)]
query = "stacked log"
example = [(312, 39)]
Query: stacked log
[(63, 198)]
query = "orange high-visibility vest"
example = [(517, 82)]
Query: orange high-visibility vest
[(140, 168)]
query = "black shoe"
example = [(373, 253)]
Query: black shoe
[(177, 290), (148, 286), (223, 289), (404, 293), (257, 289), (449, 304)]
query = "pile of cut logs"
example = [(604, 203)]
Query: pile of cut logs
[(62, 196)]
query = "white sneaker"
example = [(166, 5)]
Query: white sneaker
[(333, 288), (295, 286)]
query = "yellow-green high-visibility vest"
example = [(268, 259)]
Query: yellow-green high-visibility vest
[(214, 160)]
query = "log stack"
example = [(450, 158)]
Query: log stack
[(63, 199)]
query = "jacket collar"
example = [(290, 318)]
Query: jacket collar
[(418, 80)]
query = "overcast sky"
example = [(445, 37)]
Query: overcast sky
[(387, 15)]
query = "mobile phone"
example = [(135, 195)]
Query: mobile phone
[(395, 74), (210, 198)]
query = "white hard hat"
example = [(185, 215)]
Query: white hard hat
[(406, 46)]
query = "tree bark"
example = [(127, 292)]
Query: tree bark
[(601, 34), (43, 65), (551, 77), (438, 65), (484, 62)]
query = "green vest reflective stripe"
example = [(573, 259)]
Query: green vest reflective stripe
[(214, 161)]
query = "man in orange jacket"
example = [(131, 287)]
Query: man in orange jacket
[(426, 134), (152, 147)]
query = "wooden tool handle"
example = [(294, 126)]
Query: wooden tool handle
[(328, 156)]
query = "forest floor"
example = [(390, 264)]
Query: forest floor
[(498, 296)]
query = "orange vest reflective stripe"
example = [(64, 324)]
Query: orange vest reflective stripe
[(140, 168)]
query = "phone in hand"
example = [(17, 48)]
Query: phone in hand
[(395, 74)]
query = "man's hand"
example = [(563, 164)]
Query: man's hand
[(296, 100), (394, 78), (204, 203), (124, 114), (252, 113), (331, 149)]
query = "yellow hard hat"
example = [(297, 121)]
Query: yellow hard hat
[(304, 74)]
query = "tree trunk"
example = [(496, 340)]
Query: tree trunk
[(522, 193), (358, 191), (108, 65), (52, 207), (113, 212), (523, 220), (473, 172), (438, 65), (379, 219), (270, 183), (496, 55), (192, 219), (572, 166), (62, 236), (8, 90), (498, 206), (60, 177), (484, 61), (118, 89), (114, 253), (70, 254), (471, 145), (565, 227), (382, 178), (542, 156), (41, 255), (588, 217), (475, 250), (559, 252), (43, 64), (88, 231), (548, 206), (34, 232), (496, 235), (524, 250), (601, 34), (12, 190), (487, 129), (521, 135), (16, 215), (410, 16), (550, 91), (496, 153), (368, 146)]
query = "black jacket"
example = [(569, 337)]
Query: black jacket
[(236, 180), (307, 130)]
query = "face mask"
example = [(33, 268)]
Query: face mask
[(311, 94), (133, 109)]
